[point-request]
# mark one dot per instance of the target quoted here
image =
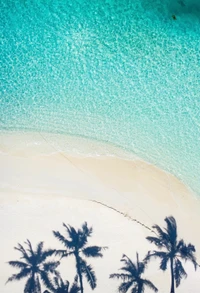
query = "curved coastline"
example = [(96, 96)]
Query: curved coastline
[(126, 73), (42, 186), (146, 77), (48, 143)]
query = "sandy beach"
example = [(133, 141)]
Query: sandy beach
[(42, 187)]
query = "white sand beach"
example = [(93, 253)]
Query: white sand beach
[(41, 188)]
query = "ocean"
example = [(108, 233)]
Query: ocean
[(122, 72)]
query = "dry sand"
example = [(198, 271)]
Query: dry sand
[(42, 188)]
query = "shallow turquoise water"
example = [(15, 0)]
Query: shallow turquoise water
[(119, 71)]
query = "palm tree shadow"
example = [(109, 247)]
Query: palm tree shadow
[(34, 266), (61, 286), (172, 251), (76, 244), (131, 276)]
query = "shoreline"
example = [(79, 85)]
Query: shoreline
[(120, 198), (48, 144), (90, 147)]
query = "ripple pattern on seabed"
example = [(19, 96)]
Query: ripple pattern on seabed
[(125, 72)]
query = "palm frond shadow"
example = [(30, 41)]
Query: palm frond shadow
[(171, 251), (131, 276), (39, 266), (35, 267), (76, 244)]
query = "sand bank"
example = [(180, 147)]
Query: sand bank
[(42, 186)]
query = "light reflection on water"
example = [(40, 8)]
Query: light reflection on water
[(123, 72)]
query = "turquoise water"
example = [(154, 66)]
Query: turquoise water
[(124, 72)]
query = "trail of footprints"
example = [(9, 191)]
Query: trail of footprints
[(125, 215), (128, 217)]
